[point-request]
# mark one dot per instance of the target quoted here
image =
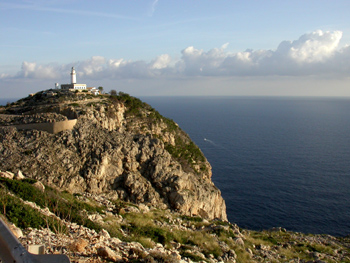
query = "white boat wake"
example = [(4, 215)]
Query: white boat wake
[(213, 143)]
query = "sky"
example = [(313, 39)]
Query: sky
[(177, 48)]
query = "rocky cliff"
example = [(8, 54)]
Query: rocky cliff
[(120, 147)]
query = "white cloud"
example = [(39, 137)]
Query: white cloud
[(161, 62), (198, 62), (314, 47), (317, 54), (34, 71), (92, 66)]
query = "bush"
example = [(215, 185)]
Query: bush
[(192, 218), (149, 230), (191, 256), (23, 216), (53, 200)]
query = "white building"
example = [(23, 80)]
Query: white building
[(93, 90), (73, 84)]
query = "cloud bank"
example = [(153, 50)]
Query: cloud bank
[(313, 54)]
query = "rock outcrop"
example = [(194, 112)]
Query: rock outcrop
[(119, 147)]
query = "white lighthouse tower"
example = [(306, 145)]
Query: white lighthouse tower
[(73, 85), (73, 76)]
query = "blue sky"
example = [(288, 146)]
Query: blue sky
[(269, 48)]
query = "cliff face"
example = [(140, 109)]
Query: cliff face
[(120, 147)]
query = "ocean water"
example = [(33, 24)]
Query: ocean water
[(3, 101), (277, 161)]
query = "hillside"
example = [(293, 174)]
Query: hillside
[(92, 228), (119, 147), (125, 184)]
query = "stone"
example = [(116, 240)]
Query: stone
[(262, 247), (108, 254), (7, 175), (104, 234), (15, 230), (239, 241), (95, 217), (144, 208), (131, 209), (176, 255), (78, 245), (39, 186), (19, 175)]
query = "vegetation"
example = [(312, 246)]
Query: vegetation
[(62, 205), (184, 150), (194, 237)]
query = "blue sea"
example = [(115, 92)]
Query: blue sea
[(277, 161)]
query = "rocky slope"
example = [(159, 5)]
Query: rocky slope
[(116, 231), (120, 148)]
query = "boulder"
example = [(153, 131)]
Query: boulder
[(15, 230), (78, 245), (19, 175), (108, 254), (239, 241), (103, 234), (39, 186), (7, 175)]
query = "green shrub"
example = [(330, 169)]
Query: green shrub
[(24, 216), (186, 153), (157, 234), (53, 200), (191, 256), (192, 218), (24, 190)]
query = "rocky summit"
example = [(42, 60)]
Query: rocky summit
[(119, 147)]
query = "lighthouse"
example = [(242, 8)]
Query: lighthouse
[(73, 76), (73, 85)]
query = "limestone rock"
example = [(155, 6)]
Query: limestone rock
[(15, 230), (104, 234), (79, 245), (108, 254), (19, 175), (7, 175), (110, 151), (239, 241), (39, 185)]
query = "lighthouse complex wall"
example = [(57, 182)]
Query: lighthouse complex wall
[(51, 127), (73, 86)]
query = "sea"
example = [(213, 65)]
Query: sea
[(278, 161)]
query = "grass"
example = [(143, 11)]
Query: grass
[(51, 198), (191, 256), (142, 228), (294, 248), (23, 215), (152, 227)]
